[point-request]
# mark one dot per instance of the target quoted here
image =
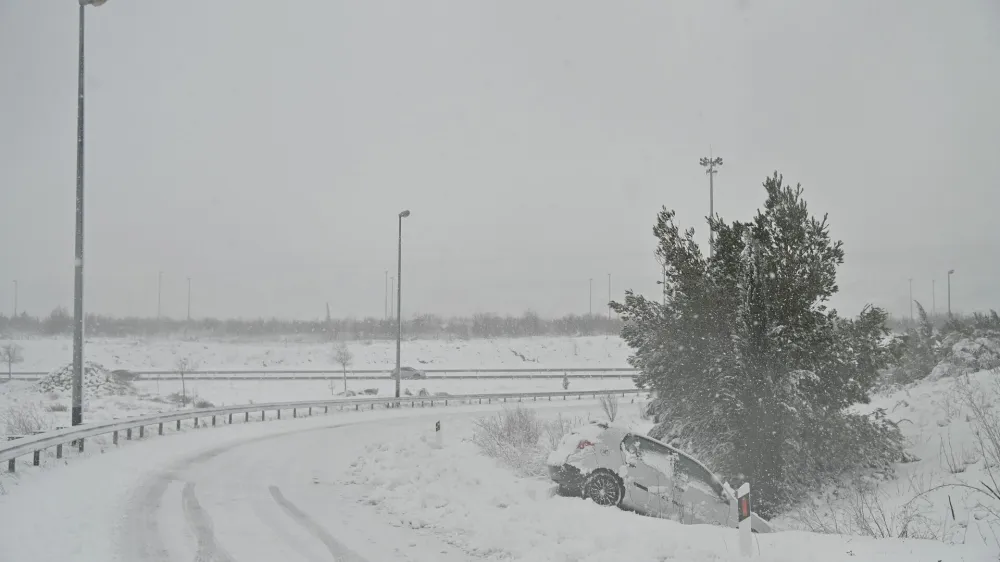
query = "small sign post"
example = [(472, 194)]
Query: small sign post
[(743, 509)]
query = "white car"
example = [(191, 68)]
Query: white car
[(616, 467), (407, 373)]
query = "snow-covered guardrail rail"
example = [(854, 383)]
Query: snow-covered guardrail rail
[(371, 374), (76, 436)]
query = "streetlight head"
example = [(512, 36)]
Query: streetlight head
[(950, 271), (404, 214), (92, 2)]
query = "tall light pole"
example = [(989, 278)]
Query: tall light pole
[(399, 298), (159, 294), (392, 302), (911, 300), (385, 308), (15, 300), (76, 415), (189, 300), (710, 164), (950, 271)]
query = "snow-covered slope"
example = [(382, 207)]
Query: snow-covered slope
[(943, 493), (470, 501)]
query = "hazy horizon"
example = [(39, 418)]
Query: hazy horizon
[(266, 152)]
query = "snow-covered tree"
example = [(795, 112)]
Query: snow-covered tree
[(753, 371)]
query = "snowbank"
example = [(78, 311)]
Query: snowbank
[(474, 504)]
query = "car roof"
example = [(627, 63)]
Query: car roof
[(624, 432)]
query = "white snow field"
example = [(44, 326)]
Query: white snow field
[(370, 486), (46, 354), (51, 409)]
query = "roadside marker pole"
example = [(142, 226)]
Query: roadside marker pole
[(746, 536)]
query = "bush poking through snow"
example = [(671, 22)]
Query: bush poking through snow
[(609, 403), (558, 428), (512, 437), (24, 419)]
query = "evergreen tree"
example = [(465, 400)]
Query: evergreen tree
[(753, 371)]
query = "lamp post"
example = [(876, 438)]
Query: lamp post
[(15, 301), (189, 301), (950, 271), (709, 164), (399, 299), (76, 417)]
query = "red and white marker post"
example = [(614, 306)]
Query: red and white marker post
[(743, 510)]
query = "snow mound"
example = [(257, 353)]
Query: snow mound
[(968, 355), (97, 381)]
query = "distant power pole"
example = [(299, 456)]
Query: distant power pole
[(385, 308), (159, 295), (189, 299), (710, 164), (15, 300), (911, 300), (609, 300), (392, 284)]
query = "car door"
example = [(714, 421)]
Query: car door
[(700, 496), (649, 484)]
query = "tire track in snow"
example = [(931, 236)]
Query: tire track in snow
[(340, 552), (208, 549)]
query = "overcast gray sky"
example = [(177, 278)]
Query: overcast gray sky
[(265, 148)]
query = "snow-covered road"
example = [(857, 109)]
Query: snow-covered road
[(260, 491)]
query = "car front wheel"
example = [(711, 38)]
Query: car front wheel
[(604, 488)]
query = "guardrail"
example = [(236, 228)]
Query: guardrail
[(76, 436), (370, 374)]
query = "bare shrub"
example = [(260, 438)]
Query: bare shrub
[(556, 429), (11, 354), (512, 437), (202, 403), (870, 516), (56, 407), (986, 424), (25, 419), (185, 365), (609, 403), (343, 357)]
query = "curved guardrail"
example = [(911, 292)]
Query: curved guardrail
[(77, 436)]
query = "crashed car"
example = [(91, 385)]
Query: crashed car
[(614, 466)]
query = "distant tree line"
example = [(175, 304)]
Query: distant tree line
[(60, 322)]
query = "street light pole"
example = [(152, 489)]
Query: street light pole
[(609, 301), (189, 300), (15, 300), (591, 313), (709, 164), (399, 299), (76, 414), (385, 308), (392, 302), (950, 271)]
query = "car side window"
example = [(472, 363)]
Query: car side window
[(694, 474)]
